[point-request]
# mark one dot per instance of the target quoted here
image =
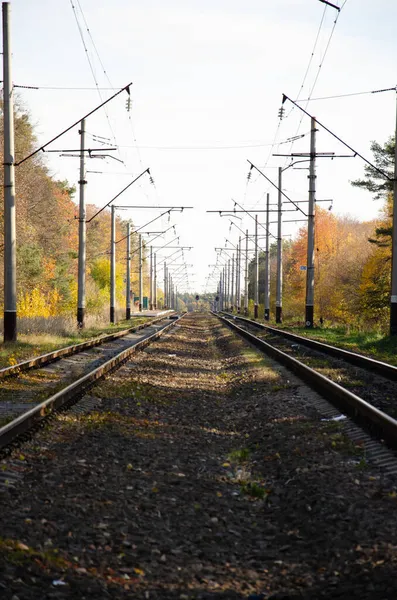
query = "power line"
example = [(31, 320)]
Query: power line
[(319, 68), (49, 87), (312, 53), (41, 148), (300, 90), (392, 89), (91, 64)]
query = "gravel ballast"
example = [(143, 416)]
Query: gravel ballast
[(205, 472)]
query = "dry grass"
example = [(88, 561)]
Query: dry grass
[(40, 335)]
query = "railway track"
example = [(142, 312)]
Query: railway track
[(33, 390), (205, 470), (359, 360), (360, 387), (45, 359)]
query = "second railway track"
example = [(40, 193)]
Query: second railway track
[(359, 392), (33, 394)]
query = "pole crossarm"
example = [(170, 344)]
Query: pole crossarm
[(145, 225), (181, 208), (124, 89), (89, 150), (257, 211), (285, 97), (234, 210), (276, 186), (159, 233), (145, 245), (119, 194), (338, 8), (166, 259)]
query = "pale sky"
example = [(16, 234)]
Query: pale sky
[(208, 79)]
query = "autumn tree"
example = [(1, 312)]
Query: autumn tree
[(47, 235), (376, 276)]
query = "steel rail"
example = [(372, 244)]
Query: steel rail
[(359, 360), (45, 359), (19, 426), (375, 421)]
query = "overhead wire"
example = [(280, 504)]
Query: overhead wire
[(276, 145), (301, 86), (322, 59), (96, 82), (91, 63)]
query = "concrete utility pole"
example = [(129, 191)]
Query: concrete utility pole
[(10, 278), (232, 285), (140, 274), (393, 298), (246, 275), (310, 229), (151, 280), (165, 299), (267, 277), (279, 275), (154, 282), (256, 294), (235, 277), (238, 293), (220, 290), (81, 302), (128, 276), (224, 298), (113, 265), (227, 290)]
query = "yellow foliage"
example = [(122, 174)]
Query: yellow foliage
[(38, 303)]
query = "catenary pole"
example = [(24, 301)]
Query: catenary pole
[(113, 265), (256, 288), (228, 303), (219, 291), (393, 298), (10, 280), (239, 276), (81, 300), (246, 275), (279, 275), (155, 281), (232, 285), (151, 279), (140, 274), (128, 275), (165, 299), (267, 278), (310, 229), (235, 277)]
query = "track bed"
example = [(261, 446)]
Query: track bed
[(205, 472)]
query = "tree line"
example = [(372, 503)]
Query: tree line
[(47, 239), (352, 259)]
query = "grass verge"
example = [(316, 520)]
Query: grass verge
[(35, 344)]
